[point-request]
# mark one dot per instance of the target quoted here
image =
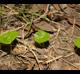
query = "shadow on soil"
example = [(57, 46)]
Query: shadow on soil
[(43, 45), (8, 48), (77, 51)]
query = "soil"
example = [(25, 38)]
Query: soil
[(62, 21)]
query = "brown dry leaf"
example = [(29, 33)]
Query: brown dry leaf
[(37, 8), (72, 13), (56, 65), (9, 62), (19, 49), (45, 26)]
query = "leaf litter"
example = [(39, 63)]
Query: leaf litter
[(60, 20)]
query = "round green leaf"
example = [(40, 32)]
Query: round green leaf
[(77, 42), (8, 37), (41, 36)]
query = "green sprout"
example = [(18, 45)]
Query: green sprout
[(77, 42), (8, 37), (41, 37)]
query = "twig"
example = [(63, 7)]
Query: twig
[(70, 63), (45, 13), (58, 32), (35, 58), (8, 7), (61, 57), (53, 59), (56, 6), (27, 46), (12, 10), (55, 50), (74, 21), (15, 29), (69, 55), (53, 22)]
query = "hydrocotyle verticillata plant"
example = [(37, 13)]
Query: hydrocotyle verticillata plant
[(77, 42), (41, 36), (8, 37)]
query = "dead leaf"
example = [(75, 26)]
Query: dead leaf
[(19, 49), (37, 8), (45, 26)]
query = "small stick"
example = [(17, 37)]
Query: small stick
[(58, 32), (69, 55), (73, 26), (53, 59), (45, 13), (70, 63)]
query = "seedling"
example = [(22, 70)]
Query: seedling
[(77, 45), (8, 37), (41, 37), (77, 42)]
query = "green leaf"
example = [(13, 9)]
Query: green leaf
[(41, 36), (8, 37), (77, 42)]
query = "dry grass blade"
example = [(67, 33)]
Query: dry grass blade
[(45, 13)]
